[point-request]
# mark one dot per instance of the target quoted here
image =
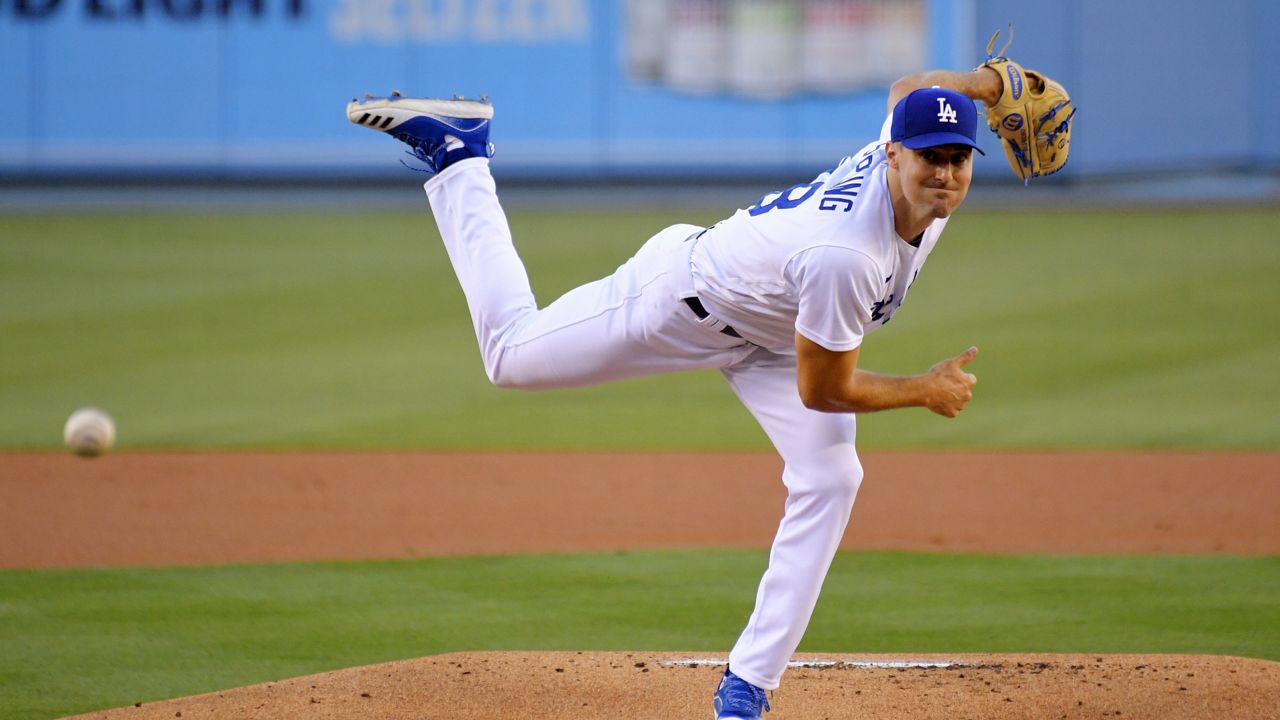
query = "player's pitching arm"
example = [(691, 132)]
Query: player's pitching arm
[(830, 381), (983, 84)]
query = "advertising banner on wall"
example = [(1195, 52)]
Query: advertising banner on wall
[(592, 88)]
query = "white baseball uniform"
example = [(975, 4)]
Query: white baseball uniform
[(821, 258)]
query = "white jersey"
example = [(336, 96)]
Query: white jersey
[(821, 258)]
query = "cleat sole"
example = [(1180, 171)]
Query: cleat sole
[(387, 113)]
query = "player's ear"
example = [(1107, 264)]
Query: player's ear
[(891, 150)]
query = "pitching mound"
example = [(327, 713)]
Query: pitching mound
[(560, 686)]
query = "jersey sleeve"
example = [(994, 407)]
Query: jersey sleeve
[(836, 288)]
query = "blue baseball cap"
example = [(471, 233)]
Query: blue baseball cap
[(935, 116)]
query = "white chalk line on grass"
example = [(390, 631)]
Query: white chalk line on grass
[(869, 664)]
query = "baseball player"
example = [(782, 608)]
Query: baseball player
[(778, 297)]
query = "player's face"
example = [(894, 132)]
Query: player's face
[(936, 178)]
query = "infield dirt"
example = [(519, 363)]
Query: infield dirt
[(140, 508), (203, 508)]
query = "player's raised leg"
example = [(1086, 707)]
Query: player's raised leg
[(628, 324), (822, 474), (477, 238), (441, 134)]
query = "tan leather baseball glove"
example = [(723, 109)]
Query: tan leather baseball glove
[(1032, 117)]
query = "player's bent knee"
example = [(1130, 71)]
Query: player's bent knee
[(506, 381), (502, 374), (511, 381), (841, 486), (510, 376), (520, 370), (835, 480)]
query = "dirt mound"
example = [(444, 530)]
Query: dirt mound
[(679, 685)]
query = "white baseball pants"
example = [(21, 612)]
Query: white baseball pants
[(634, 323)]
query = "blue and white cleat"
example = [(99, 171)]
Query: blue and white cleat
[(438, 132), (737, 699)]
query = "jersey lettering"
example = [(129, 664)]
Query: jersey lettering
[(945, 112), (877, 309), (841, 194), (785, 199)]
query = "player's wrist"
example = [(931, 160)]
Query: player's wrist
[(988, 86)]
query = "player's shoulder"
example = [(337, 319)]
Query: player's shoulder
[(862, 162), (867, 227), (851, 192), (850, 218), (838, 207), (856, 198)]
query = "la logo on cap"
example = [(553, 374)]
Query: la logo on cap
[(929, 117), (946, 113)]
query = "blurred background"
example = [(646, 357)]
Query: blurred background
[(193, 235), (254, 89)]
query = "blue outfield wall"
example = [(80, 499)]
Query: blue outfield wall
[(1166, 85), (243, 88)]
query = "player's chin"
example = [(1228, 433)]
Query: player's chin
[(943, 207), (945, 202)]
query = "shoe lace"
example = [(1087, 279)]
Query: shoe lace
[(740, 695), (429, 154)]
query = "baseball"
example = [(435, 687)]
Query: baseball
[(89, 432)]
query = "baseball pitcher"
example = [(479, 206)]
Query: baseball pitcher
[(779, 297)]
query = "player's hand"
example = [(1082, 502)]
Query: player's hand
[(950, 388)]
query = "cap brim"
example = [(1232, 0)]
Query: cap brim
[(929, 140)]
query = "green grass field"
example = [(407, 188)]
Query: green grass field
[(1116, 330), (76, 641), (1133, 329)]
